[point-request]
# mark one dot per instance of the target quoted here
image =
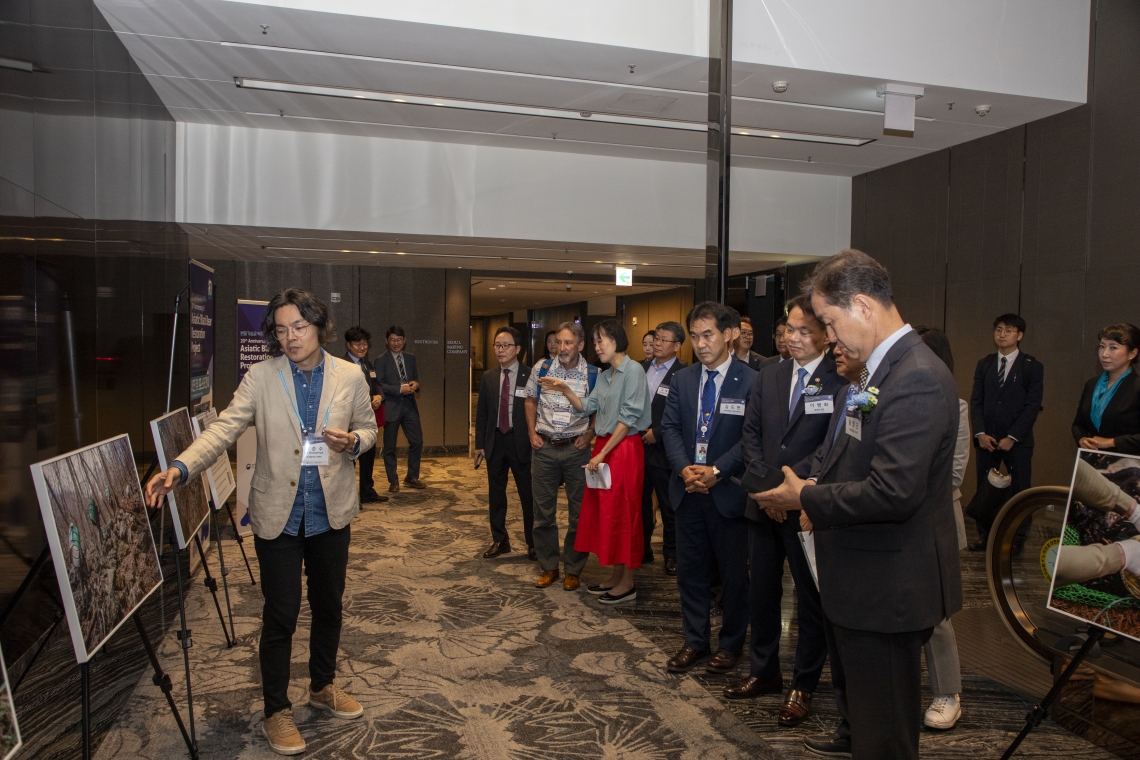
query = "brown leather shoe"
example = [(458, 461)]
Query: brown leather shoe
[(547, 578), (415, 483), (752, 687), (686, 659), (796, 708), (723, 661), (394, 487), (570, 582)]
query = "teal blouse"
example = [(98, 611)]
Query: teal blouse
[(620, 395)]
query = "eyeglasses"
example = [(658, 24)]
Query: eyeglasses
[(1006, 331), (746, 333), (661, 340), (297, 330), (504, 346)]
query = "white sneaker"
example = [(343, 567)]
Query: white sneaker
[(943, 713)]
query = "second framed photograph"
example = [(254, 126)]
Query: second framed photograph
[(1096, 562), (97, 527), (10, 740), (188, 505)]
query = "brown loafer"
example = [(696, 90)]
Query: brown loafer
[(415, 483), (547, 578), (796, 708), (571, 582), (752, 687), (723, 661), (686, 659)]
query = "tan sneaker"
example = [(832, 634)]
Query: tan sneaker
[(333, 699), (282, 733)]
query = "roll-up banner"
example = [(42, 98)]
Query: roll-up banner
[(201, 337), (252, 349)]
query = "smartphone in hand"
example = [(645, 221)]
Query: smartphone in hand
[(478, 460)]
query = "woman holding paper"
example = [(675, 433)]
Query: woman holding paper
[(609, 524)]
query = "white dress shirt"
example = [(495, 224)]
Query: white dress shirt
[(810, 367), (881, 350), (514, 370), (655, 374)]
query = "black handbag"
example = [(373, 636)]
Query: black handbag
[(757, 478), (987, 502)]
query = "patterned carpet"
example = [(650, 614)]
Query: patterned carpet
[(451, 656)]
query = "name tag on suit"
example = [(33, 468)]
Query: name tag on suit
[(663, 390), (520, 392), (733, 406), (819, 405), (854, 422), (372, 374)]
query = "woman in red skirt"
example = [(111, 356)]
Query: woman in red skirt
[(609, 523)]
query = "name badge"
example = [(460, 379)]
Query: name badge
[(819, 405), (663, 390), (520, 392), (562, 419), (372, 374), (314, 451), (733, 406), (854, 426), (702, 456)]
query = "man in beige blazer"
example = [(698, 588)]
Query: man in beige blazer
[(317, 412)]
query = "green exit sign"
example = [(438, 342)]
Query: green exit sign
[(624, 276)]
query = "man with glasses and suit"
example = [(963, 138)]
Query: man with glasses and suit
[(702, 427), (503, 439), (358, 340), (668, 338), (398, 377)]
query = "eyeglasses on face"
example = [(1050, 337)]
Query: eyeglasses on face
[(746, 333), (663, 341), (297, 330), (1005, 331), (504, 346)]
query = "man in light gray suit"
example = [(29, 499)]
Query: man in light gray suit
[(881, 508)]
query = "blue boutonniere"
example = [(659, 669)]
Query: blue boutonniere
[(865, 401), (814, 389)]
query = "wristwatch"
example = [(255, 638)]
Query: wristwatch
[(716, 472)]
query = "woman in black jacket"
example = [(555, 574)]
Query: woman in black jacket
[(1108, 417)]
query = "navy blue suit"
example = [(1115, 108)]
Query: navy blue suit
[(780, 439), (710, 527), (658, 474), (1009, 409)]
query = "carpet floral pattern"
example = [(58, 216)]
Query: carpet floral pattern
[(451, 656)]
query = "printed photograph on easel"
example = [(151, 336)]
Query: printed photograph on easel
[(101, 544), (188, 506), (10, 740), (219, 474), (1095, 565)]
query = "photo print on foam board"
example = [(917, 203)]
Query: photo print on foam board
[(101, 544), (1104, 487), (218, 475), (10, 740), (188, 506)]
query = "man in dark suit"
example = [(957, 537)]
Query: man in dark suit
[(357, 340), (786, 421), (400, 380), (501, 437), (704, 417), (668, 339), (1004, 404), (881, 507), (781, 354)]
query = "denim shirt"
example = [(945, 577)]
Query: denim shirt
[(309, 503)]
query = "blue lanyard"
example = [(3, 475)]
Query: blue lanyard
[(297, 411)]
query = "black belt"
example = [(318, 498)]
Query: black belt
[(558, 442)]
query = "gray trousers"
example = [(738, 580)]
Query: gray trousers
[(942, 661), (549, 466)]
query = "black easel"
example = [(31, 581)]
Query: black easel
[(210, 582), (240, 539), (160, 679), (1038, 713)]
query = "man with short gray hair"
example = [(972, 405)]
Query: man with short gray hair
[(561, 443)]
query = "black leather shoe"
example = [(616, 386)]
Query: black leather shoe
[(670, 566), (415, 483), (532, 554), (497, 548), (371, 497), (686, 659), (828, 745), (752, 687), (394, 487), (723, 661), (979, 545)]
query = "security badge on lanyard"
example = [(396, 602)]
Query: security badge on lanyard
[(314, 450), (702, 453)]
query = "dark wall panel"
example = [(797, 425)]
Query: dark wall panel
[(457, 360), (1040, 220)]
